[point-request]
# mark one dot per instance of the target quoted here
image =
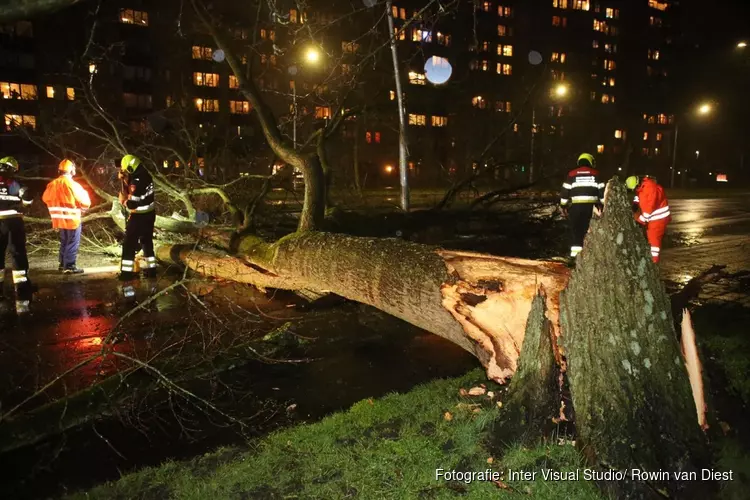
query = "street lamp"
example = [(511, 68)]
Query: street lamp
[(742, 45), (312, 56), (704, 109), (561, 90)]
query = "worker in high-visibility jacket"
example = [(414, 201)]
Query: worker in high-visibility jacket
[(582, 191), (65, 199), (652, 210), (14, 196), (138, 197)]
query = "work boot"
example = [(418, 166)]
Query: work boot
[(73, 270), (60, 268)]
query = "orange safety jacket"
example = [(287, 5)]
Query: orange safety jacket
[(652, 203), (65, 198)]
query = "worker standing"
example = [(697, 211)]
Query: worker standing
[(65, 198), (653, 210), (582, 191), (13, 196), (138, 197)]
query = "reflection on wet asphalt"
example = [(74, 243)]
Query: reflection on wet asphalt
[(697, 221)]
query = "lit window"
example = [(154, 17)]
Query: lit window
[(503, 106), (484, 65), (402, 13), (13, 121), (654, 21), (581, 5), (612, 13), (205, 53), (662, 119), (502, 30), (377, 137), (130, 16), (439, 121), (416, 78), (504, 50), (515, 127), (659, 137), (656, 4), (486, 6), (234, 82), (601, 26), (560, 4), (293, 18), (206, 79), (606, 99), (610, 48), (593, 96), (504, 69), (206, 105), (645, 152), (559, 21), (595, 44), (609, 64), (50, 92), (619, 134), (653, 54), (600, 148), (656, 153), (443, 39), (611, 82), (399, 34), (349, 47), (23, 91), (392, 95), (368, 137), (558, 57), (419, 120), (479, 102), (323, 112), (419, 35), (504, 11), (70, 93), (484, 46), (645, 136), (557, 75), (239, 107)]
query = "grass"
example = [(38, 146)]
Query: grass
[(384, 448)]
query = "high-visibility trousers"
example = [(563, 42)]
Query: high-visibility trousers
[(579, 218), (654, 234), (13, 238), (139, 233)]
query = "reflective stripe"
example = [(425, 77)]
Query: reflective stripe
[(564, 201), (19, 277), (65, 213), (143, 197), (151, 261), (127, 262), (27, 203), (9, 197), (591, 183), (636, 200), (659, 217), (9, 213), (574, 251), (585, 199), (602, 185), (128, 291), (144, 208), (601, 200), (567, 186)]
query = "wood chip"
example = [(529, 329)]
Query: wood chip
[(477, 391), (490, 460), (447, 416)]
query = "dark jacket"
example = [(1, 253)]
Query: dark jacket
[(13, 196), (138, 189), (582, 186)]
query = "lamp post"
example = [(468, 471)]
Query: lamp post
[(703, 110), (312, 56), (560, 91)]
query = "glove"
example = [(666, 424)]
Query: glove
[(564, 212), (597, 211)]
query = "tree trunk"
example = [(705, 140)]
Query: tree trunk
[(534, 392), (480, 302), (630, 390)]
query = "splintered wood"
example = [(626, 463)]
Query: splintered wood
[(694, 367), (491, 298)]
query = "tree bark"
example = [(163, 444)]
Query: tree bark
[(534, 392), (480, 302), (630, 390)]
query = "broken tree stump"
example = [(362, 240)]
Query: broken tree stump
[(534, 392), (630, 390)]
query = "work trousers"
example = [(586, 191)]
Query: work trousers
[(13, 238), (70, 240), (579, 217), (654, 234), (139, 233)]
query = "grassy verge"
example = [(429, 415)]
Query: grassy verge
[(384, 448)]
